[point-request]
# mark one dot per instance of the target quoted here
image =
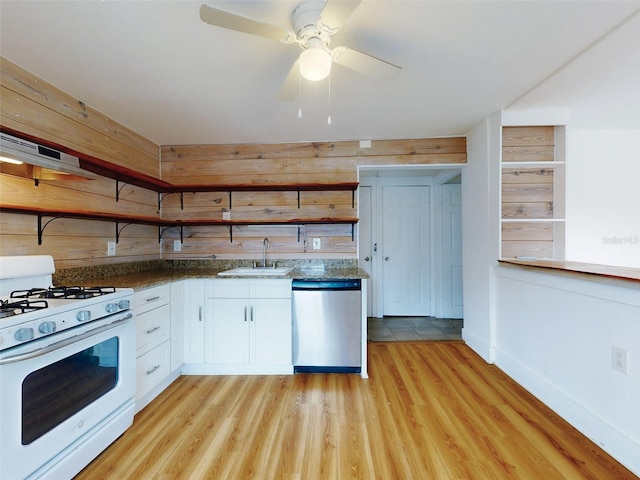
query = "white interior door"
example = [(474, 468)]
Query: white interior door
[(405, 250), (365, 250), (452, 251)]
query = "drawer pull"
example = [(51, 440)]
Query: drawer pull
[(153, 299), (153, 369), (200, 313), (151, 330)]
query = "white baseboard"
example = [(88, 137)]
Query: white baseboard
[(624, 449), (479, 346)]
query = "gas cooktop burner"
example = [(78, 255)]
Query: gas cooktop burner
[(8, 309), (63, 292)]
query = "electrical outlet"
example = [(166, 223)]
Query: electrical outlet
[(619, 359), (177, 246), (316, 244), (226, 215), (111, 249)]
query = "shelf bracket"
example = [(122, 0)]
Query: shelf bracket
[(298, 200), (353, 199), (119, 190), (41, 227), (230, 227), (119, 230), (162, 229), (161, 197), (229, 193), (352, 231)]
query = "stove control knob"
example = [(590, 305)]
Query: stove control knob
[(111, 307), (123, 304), (83, 315), (47, 327), (24, 334)]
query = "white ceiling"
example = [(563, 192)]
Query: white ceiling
[(156, 68)]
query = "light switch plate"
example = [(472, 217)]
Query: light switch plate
[(111, 249), (226, 215), (316, 244), (177, 246)]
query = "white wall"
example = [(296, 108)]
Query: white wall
[(603, 196), (552, 333), (480, 227), (554, 336), (599, 93)]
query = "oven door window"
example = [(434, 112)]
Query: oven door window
[(58, 391)]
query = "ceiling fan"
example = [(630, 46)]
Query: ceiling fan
[(314, 22)]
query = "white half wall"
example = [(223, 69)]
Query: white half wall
[(554, 336)]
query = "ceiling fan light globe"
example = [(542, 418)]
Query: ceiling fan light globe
[(314, 64)]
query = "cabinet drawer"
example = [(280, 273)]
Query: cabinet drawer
[(151, 369), (152, 328), (250, 288), (229, 288), (271, 288), (149, 298)]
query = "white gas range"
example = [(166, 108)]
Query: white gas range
[(67, 370)]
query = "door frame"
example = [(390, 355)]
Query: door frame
[(430, 175)]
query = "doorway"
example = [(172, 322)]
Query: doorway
[(409, 241)]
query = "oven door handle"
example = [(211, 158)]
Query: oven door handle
[(63, 343)]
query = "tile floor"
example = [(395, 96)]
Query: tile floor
[(389, 329)]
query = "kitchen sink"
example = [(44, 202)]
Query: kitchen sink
[(256, 271)]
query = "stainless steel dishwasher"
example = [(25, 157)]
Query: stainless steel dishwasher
[(327, 326)]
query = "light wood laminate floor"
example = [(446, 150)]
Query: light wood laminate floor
[(430, 410)]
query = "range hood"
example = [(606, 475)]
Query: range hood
[(27, 159)]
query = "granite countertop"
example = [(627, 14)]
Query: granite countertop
[(139, 279)]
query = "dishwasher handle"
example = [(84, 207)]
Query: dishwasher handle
[(351, 284)]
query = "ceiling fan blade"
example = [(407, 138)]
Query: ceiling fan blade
[(365, 64), (290, 85), (219, 18), (336, 12)]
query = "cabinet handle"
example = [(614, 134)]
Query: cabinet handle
[(245, 313), (200, 313), (152, 299), (151, 330), (251, 313), (153, 369)]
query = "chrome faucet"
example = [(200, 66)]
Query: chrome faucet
[(265, 245)]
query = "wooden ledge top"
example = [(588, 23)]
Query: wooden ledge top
[(606, 271)]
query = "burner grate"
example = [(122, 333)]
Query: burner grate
[(63, 292), (8, 309)]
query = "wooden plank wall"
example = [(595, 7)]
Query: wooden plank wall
[(276, 164), (33, 107), (527, 193)]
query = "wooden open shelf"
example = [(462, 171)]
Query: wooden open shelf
[(122, 221)]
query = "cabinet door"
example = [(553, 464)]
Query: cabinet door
[(194, 321), (271, 331), (230, 340)]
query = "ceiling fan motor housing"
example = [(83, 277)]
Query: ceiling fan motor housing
[(306, 25)]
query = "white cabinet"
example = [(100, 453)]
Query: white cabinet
[(193, 314), (251, 325), (153, 333)]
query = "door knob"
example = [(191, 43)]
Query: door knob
[(386, 259), (366, 259)]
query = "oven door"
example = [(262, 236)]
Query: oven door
[(60, 392)]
